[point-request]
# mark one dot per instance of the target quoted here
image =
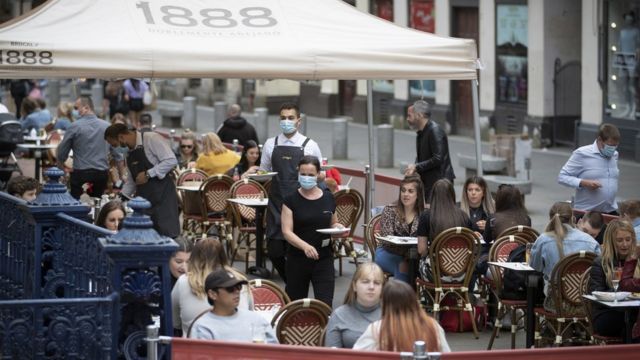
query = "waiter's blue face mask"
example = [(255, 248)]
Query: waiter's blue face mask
[(608, 150), (288, 126), (307, 182), (122, 150)]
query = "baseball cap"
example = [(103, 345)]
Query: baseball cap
[(221, 279)]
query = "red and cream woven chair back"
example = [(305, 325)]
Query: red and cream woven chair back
[(499, 252), (453, 253), (349, 206), (301, 322), (566, 287), (371, 230), (267, 295), (215, 192), (193, 175), (528, 233), (245, 189)]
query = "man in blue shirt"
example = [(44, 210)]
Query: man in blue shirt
[(85, 138), (593, 171)]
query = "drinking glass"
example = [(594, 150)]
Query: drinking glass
[(258, 333), (527, 253), (615, 281)]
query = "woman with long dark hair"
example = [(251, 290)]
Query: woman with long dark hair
[(403, 323), (510, 211), (111, 215), (400, 219), (250, 159), (442, 215)]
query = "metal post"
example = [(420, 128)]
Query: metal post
[(152, 341), (367, 200), (476, 125), (385, 145), (189, 113), (220, 114), (97, 94), (419, 350), (340, 130), (53, 90), (303, 124), (372, 176), (262, 124)]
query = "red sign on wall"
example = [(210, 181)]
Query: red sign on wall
[(384, 9), (423, 15)]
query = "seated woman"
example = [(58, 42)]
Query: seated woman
[(476, 202), (400, 219), (630, 211), (403, 323), (188, 297), (442, 215), (215, 158), (361, 307), (64, 116), (179, 260), (510, 211), (187, 153), (631, 281), (560, 238), (618, 246), (309, 256), (111, 215), (249, 160)]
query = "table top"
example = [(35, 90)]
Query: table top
[(190, 186), (400, 240), (34, 138), (250, 202), (517, 266), (37, 146), (619, 304)]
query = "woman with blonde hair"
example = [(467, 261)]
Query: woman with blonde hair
[(630, 211), (618, 246), (64, 116), (188, 296), (630, 274), (215, 158), (361, 307), (560, 238), (403, 323)]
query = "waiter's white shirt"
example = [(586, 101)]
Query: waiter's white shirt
[(298, 139)]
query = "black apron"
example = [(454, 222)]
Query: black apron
[(284, 160), (161, 193)]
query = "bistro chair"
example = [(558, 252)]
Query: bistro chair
[(244, 216), (214, 206), (499, 252), (301, 322), (565, 291), (596, 338), (267, 295), (526, 232), (190, 200), (349, 207), (453, 254), (371, 230)]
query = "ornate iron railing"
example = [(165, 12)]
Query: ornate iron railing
[(16, 250)]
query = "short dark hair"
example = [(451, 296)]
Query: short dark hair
[(85, 100), (594, 219), (310, 159), (114, 130), (20, 184), (608, 132), (290, 106), (146, 119)]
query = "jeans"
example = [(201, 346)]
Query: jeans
[(390, 263)]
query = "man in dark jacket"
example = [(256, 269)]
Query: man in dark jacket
[(237, 127), (432, 161)]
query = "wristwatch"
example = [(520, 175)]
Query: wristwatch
[(146, 173)]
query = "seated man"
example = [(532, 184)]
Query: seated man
[(23, 187), (592, 223), (225, 321)]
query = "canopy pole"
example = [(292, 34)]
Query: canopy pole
[(476, 125), (372, 178)]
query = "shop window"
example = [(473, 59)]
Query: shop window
[(511, 53), (384, 10), (623, 49), (422, 16)]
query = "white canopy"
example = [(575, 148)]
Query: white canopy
[(266, 39)]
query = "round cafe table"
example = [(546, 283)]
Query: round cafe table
[(36, 149)]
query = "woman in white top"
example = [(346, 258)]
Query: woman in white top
[(188, 297), (403, 323)]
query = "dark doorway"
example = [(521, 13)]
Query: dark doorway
[(347, 91), (464, 25)]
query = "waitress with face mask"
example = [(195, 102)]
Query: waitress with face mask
[(282, 154), (309, 256)]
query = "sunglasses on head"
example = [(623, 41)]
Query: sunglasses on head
[(231, 289), (186, 146)]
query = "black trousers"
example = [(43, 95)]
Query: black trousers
[(611, 323), (277, 249), (96, 177), (320, 273)]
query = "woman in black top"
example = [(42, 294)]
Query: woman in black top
[(309, 256), (476, 202), (510, 211), (250, 160)]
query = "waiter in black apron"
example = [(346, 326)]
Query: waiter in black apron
[(150, 160), (281, 154)]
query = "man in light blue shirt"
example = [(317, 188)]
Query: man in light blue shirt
[(593, 171)]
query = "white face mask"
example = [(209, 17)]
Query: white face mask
[(288, 126)]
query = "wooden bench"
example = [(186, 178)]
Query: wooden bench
[(171, 116), (490, 164)]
